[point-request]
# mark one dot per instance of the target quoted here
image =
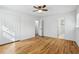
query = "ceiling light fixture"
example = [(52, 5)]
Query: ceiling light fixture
[(39, 11), (40, 8)]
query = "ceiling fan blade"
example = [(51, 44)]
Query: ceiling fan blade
[(44, 6), (45, 9), (35, 7)]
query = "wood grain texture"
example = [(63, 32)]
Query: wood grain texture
[(43, 45)]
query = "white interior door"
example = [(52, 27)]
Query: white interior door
[(61, 28)]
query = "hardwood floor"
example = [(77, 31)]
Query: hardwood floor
[(41, 45)]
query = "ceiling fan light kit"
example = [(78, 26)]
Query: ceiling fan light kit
[(40, 8), (40, 11)]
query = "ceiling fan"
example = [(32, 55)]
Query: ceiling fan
[(40, 8)]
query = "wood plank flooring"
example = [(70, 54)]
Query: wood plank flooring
[(41, 45)]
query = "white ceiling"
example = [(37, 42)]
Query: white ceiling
[(28, 9)]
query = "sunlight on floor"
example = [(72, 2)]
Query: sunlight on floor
[(10, 49)]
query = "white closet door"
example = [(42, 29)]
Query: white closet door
[(61, 28)]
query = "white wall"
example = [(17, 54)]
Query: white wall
[(77, 36), (21, 26), (77, 26), (15, 26), (51, 21)]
